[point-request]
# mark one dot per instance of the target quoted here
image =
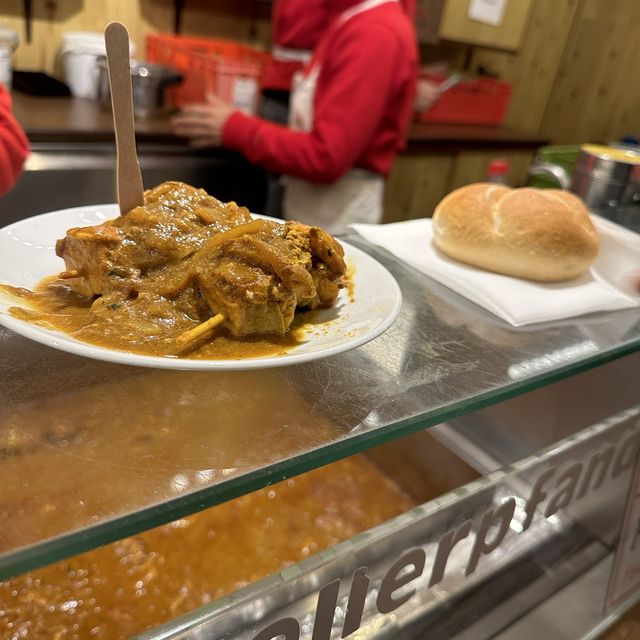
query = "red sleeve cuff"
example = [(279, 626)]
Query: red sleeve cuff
[(239, 130)]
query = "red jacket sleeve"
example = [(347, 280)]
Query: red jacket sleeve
[(14, 147), (355, 81)]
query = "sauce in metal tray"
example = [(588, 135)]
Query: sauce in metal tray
[(140, 582)]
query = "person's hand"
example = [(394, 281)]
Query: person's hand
[(426, 94), (203, 124), (635, 281)]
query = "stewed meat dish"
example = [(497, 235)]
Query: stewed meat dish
[(165, 277)]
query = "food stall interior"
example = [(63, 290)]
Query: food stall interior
[(106, 451), (454, 477)]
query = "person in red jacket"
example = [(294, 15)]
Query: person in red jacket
[(14, 147), (350, 114), (297, 26)]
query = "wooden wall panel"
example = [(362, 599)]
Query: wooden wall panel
[(471, 166), (574, 74), (416, 184), (247, 21), (596, 96), (532, 69), (419, 181), (455, 25), (73, 15)]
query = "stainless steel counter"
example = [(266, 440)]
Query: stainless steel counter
[(58, 175)]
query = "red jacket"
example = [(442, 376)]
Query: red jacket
[(363, 102), (299, 25), (14, 147)]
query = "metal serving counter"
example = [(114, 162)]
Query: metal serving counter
[(466, 565), (128, 449), (59, 175)]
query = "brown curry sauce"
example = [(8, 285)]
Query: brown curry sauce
[(140, 582), (53, 304)]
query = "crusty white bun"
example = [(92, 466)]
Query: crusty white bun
[(538, 234)]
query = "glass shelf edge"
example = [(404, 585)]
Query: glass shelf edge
[(67, 545)]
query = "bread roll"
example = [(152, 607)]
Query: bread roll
[(539, 234)]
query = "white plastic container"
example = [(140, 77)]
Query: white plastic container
[(78, 57), (8, 43)]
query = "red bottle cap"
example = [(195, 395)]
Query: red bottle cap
[(498, 167)]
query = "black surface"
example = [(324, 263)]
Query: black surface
[(36, 83)]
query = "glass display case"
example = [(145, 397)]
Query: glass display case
[(531, 435)]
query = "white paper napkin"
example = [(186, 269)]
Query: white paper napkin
[(605, 287)]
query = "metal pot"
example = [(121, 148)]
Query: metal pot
[(606, 178), (148, 81)]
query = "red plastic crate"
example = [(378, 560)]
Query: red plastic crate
[(483, 101), (221, 67)]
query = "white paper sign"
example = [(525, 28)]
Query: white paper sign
[(487, 11)]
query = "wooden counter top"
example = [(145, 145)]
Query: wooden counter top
[(80, 120), (456, 137)]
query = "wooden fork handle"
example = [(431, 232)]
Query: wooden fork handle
[(130, 189)]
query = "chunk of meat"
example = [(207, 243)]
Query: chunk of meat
[(89, 251), (328, 267), (273, 257), (256, 280), (184, 257), (252, 301), (175, 221)]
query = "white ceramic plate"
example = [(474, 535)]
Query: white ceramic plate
[(27, 255)]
